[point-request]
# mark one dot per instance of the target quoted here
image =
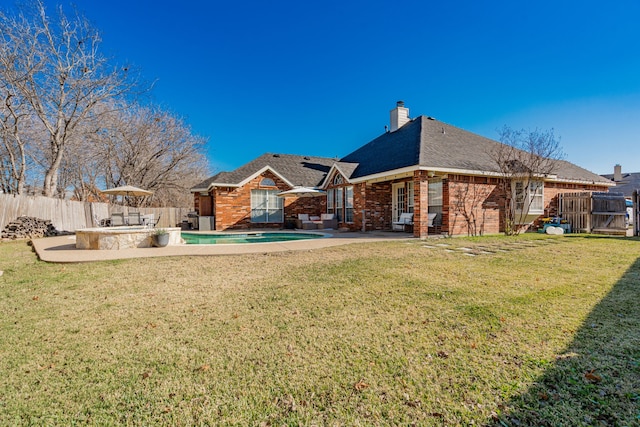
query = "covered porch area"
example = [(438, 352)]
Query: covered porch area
[(411, 203)]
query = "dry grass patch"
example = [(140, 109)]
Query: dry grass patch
[(371, 334)]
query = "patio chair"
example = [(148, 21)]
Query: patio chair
[(97, 222), (117, 219), (406, 219), (147, 220), (153, 222), (134, 218), (304, 223), (431, 217), (329, 220)]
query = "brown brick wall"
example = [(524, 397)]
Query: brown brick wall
[(461, 193), (464, 192), (233, 205), (474, 205), (420, 204)]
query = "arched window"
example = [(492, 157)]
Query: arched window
[(337, 180), (267, 182)]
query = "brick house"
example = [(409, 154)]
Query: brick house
[(419, 165)]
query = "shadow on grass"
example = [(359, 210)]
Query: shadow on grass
[(596, 381)]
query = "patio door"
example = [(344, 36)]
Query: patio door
[(399, 200)]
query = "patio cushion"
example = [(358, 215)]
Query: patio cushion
[(314, 218), (405, 219), (431, 217), (303, 217)]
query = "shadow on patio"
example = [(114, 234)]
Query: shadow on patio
[(596, 381)]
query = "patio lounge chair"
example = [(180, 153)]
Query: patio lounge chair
[(134, 218), (406, 219), (117, 219), (304, 223), (329, 220)]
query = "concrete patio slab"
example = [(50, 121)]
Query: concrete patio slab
[(62, 249)]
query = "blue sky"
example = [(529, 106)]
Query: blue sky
[(319, 77)]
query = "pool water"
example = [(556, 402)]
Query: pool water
[(257, 237)]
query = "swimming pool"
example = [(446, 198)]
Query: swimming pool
[(251, 237)]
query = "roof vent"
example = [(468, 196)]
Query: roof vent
[(430, 118), (306, 158), (276, 155)]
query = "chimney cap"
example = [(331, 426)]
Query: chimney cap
[(400, 104)]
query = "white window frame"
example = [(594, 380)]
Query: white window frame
[(340, 203), (331, 196), (266, 204), (528, 196), (435, 193), (348, 204), (330, 200), (410, 194), (399, 190)]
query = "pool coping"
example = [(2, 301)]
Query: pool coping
[(62, 249)]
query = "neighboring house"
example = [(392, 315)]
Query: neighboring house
[(419, 166), (625, 183)]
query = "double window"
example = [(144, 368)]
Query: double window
[(266, 206), (340, 203), (528, 197), (435, 199)]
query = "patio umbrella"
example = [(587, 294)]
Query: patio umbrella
[(302, 192), (127, 191)]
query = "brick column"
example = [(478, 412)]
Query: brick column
[(420, 204)]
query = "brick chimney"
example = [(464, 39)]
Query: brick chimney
[(399, 116), (617, 173)]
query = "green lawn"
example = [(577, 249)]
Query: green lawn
[(527, 330)]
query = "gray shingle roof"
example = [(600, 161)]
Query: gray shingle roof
[(423, 142), (299, 170), (431, 143), (630, 182)]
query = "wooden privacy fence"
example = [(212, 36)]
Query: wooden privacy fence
[(575, 208), (68, 215), (594, 212)]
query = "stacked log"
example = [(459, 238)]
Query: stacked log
[(26, 227)]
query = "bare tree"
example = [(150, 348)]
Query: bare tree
[(56, 68), (525, 159), (153, 149), (468, 199), (13, 151)]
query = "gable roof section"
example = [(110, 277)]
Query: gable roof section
[(342, 168), (294, 169), (426, 143)]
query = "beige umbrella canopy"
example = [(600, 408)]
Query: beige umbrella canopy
[(302, 192), (127, 191)]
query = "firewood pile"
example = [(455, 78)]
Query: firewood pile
[(26, 227)]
